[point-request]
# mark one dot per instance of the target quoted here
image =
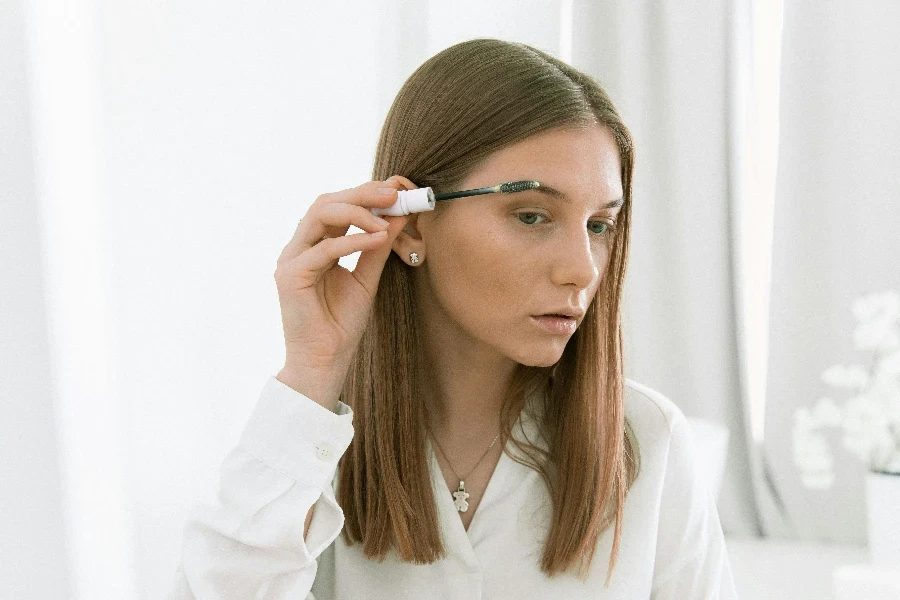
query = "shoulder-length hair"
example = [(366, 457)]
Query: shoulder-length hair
[(458, 107)]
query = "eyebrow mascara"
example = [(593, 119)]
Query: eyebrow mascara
[(422, 199)]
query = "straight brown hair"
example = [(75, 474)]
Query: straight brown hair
[(458, 107)]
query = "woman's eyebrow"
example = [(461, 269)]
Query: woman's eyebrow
[(555, 193)]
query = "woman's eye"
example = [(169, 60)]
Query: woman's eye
[(600, 227), (529, 215)]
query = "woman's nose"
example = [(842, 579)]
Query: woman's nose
[(577, 260)]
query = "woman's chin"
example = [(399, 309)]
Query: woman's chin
[(547, 358)]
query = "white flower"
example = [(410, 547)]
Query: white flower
[(885, 392), (889, 365), (852, 377), (876, 335), (885, 378), (867, 432), (878, 315), (878, 306), (871, 418), (892, 408)]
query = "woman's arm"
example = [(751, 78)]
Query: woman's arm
[(275, 510)]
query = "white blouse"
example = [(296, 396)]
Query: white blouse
[(250, 544)]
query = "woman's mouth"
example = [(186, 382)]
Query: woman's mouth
[(558, 324)]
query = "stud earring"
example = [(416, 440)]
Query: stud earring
[(413, 257)]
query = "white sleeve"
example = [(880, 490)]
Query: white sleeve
[(691, 559), (250, 543)]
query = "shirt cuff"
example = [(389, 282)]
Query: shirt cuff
[(297, 436)]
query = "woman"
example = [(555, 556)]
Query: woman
[(442, 437)]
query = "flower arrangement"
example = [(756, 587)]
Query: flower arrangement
[(870, 418)]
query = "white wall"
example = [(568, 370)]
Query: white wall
[(32, 549), (176, 146), (222, 122)]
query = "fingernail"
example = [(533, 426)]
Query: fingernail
[(387, 191), (382, 222)]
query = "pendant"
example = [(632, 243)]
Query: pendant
[(459, 498)]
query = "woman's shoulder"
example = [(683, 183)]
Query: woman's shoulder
[(661, 430), (649, 411)]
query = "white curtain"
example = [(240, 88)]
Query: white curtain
[(684, 78), (740, 285), (175, 147), (837, 236)]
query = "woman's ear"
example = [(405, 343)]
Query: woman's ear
[(408, 244)]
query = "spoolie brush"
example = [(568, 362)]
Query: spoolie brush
[(504, 188), (422, 199)]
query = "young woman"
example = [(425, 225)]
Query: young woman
[(434, 433)]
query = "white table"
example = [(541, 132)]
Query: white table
[(786, 570)]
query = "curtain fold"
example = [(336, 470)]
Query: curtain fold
[(740, 285), (671, 71), (836, 238)]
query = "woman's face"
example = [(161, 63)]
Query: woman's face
[(491, 263)]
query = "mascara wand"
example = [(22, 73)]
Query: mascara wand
[(504, 188), (422, 199)]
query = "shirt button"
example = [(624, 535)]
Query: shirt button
[(324, 450)]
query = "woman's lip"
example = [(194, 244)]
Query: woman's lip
[(558, 325)]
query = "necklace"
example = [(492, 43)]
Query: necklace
[(460, 495)]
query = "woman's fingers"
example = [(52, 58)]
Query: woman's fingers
[(371, 262), (331, 215)]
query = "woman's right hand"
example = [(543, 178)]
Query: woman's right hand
[(324, 307)]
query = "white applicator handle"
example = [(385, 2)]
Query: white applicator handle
[(408, 201)]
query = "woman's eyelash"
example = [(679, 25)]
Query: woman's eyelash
[(610, 224)]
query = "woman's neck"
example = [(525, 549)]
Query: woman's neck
[(465, 396)]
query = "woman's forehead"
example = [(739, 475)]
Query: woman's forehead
[(565, 159)]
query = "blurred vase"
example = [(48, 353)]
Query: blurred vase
[(883, 508)]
